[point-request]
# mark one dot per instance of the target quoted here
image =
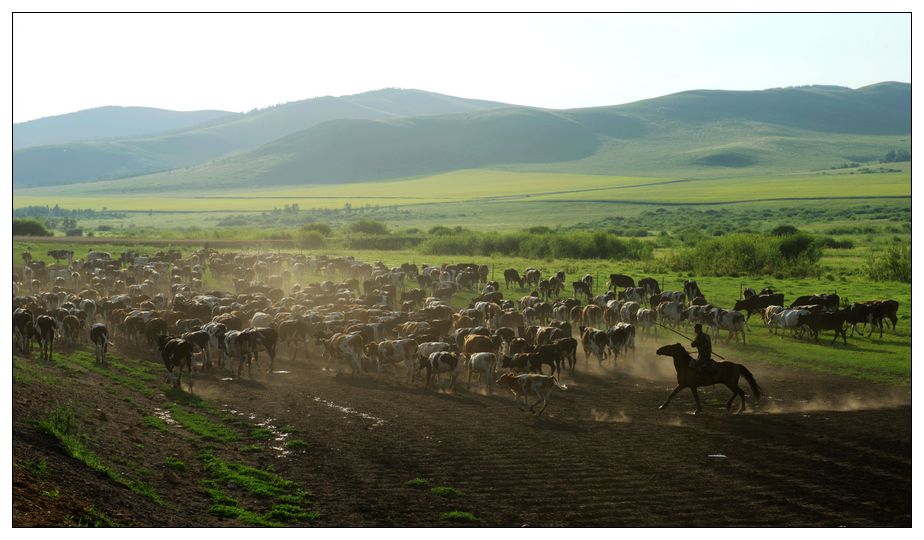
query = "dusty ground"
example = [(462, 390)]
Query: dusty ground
[(818, 450)]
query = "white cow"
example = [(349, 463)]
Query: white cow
[(485, 364)]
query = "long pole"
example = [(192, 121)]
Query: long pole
[(685, 337)]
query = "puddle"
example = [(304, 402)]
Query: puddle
[(278, 437), (348, 410), (164, 415)]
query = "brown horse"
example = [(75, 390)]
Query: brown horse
[(687, 377)]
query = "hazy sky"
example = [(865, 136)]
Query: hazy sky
[(63, 63)]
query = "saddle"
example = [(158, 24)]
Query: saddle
[(708, 369)]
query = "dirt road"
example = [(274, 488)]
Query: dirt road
[(818, 450)]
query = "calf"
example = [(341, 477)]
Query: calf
[(531, 384)]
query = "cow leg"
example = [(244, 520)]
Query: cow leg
[(670, 397)]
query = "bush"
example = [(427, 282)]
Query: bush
[(310, 239), (750, 254), (784, 230), (571, 245), (322, 228), (73, 232), (368, 226), (389, 242), (29, 227), (894, 264), (833, 243)]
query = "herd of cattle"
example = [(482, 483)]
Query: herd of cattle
[(370, 317)]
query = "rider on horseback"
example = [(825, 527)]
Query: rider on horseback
[(703, 344)]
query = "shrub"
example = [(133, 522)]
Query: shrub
[(784, 230), (894, 264), (29, 227), (556, 245), (368, 226), (74, 232), (309, 239), (750, 254), (322, 228), (833, 243)]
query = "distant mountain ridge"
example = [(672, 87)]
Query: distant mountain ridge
[(101, 160), (784, 129), (107, 123)]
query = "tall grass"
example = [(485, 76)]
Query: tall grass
[(571, 244), (794, 255), (893, 264)]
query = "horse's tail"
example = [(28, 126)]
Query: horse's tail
[(750, 378)]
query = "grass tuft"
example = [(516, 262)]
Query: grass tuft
[(202, 426), (175, 463), (446, 491), (417, 482), (459, 515)]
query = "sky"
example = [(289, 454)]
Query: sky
[(238, 62)]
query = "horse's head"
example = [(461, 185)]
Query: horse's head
[(671, 350)]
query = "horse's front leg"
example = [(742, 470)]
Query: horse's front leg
[(670, 397), (699, 406)]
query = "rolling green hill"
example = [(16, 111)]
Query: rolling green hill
[(696, 134), (107, 123), (89, 161)]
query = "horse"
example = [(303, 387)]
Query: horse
[(687, 377)]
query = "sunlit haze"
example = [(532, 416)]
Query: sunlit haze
[(238, 62)]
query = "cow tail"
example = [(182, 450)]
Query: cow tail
[(558, 384), (750, 378)]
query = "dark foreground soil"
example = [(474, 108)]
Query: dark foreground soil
[(818, 450)]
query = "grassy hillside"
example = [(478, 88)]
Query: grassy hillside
[(691, 134), (699, 134), (107, 123), (82, 162)]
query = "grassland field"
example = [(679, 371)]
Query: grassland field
[(483, 186)]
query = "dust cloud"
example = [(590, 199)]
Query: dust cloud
[(889, 399), (617, 417)]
